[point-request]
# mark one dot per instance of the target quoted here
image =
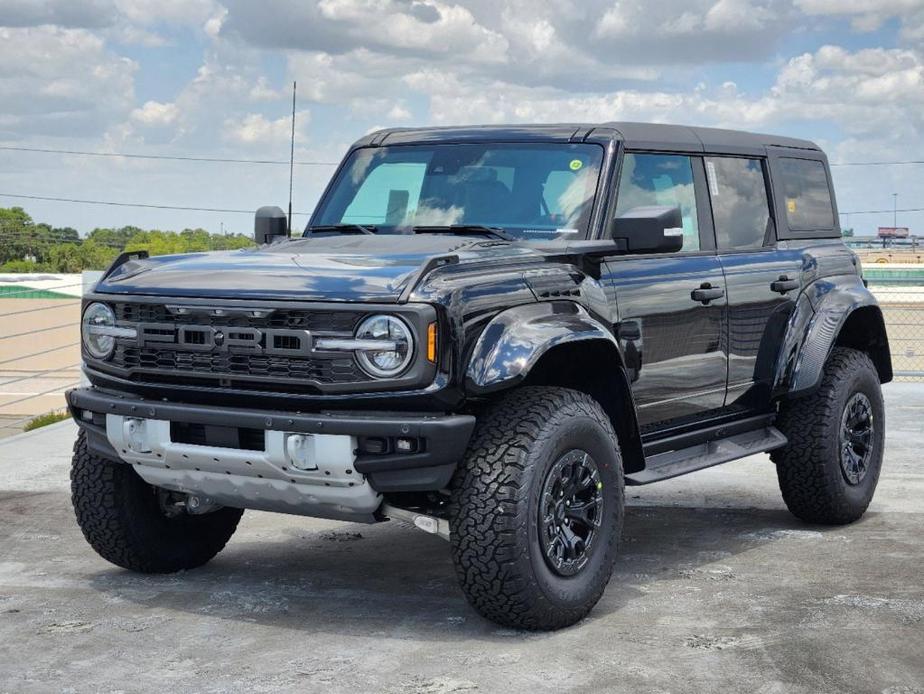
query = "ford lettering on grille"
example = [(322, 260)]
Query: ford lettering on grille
[(210, 338)]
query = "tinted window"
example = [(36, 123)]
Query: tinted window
[(660, 179), (388, 191), (531, 191), (739, 202), (808, 197)]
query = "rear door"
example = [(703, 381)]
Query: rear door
[(763, 278), (671, 307)]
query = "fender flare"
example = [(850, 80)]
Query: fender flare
[(834, 301), (515, 339)]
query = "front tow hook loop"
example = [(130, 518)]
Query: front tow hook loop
[(135, 432)]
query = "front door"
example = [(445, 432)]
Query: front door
[(671, 308)]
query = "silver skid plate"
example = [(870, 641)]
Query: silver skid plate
[(310, 475)]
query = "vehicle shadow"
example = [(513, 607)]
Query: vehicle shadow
[(390, 578)]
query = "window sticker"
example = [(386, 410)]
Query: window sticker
[(713, 181), (791, 205), (560, 230), (576, 164)]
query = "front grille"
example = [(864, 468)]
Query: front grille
[(339, 370), (301, 319), (236, 368)]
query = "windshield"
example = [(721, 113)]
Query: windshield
[(531, 191)]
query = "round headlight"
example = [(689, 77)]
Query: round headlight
[(396, 342), (96, 319)]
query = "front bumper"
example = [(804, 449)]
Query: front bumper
[(440, 439)]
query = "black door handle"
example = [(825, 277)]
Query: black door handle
[(784, 284), (706, 293)]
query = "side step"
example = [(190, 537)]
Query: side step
[(663, 466)]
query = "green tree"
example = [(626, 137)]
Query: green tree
[(113, 237), (16, 239), (28, 246)]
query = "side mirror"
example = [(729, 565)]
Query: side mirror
[(269, 224), (650, 229)]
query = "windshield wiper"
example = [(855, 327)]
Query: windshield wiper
[(495, 232), (343, 228)]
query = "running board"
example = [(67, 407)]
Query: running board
[(663, 466)]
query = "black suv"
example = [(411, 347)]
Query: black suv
[(488, 332)]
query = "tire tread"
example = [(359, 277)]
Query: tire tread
[(120, 524), (490, 495), (811, 483)]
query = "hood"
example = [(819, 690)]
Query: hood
[(334, 268)]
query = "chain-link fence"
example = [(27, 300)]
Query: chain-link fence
[(39, 347), (903, 309)]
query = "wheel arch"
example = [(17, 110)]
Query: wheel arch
[(845, 314), (565, 366), (556, 343), (864, 329)]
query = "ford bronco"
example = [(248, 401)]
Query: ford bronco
[(488, 332)]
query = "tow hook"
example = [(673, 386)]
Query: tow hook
[(421, 521), (199, 505)]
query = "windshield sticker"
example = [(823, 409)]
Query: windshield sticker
[(576, 164), (791, 205)]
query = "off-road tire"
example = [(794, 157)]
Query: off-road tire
[(122, 520), (494, 523), (808, 467)]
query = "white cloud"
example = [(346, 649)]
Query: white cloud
[(874, 92), (215, 21), (399, 112), (262, 91), (195, 12), (256, 129), (432, 27), (155, 114), (55, 81), (738, 15), (428, 29), (654, 19), (131, 35), (62, 13), (869, 16)]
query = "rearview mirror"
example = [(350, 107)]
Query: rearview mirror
[(269, 224), (650, 229)]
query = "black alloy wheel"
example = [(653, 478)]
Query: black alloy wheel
[(570, 512)]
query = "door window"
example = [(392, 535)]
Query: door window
[(740, 207), (660, 179)]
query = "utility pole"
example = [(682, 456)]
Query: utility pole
[(895, 210)]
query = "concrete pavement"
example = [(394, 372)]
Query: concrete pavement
[(718, 589)]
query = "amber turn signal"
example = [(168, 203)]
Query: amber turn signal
[(431, 343)]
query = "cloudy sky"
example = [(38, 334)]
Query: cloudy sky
[(212, 78)]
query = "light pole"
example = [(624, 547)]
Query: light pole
[(894, 210)]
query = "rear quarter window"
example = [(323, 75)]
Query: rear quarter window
[(807, 194)]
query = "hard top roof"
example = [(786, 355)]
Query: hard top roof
[(634, 135)]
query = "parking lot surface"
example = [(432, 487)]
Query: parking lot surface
[(718, 589)]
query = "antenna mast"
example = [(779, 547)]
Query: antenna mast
[(291, 159)]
